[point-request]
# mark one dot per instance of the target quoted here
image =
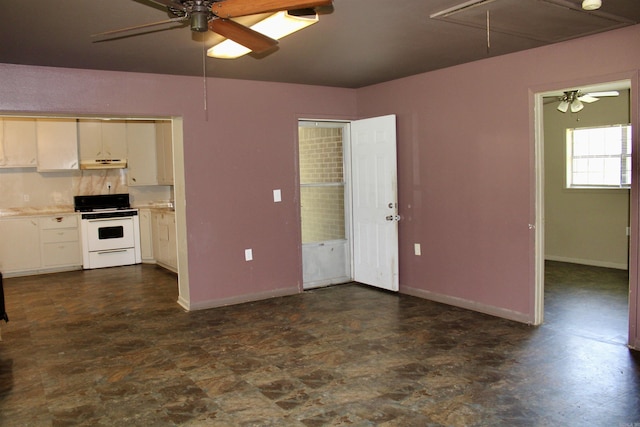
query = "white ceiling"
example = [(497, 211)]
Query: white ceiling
[(358, 43)]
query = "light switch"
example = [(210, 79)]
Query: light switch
[(277, 196), (416, 249), (248, 255)]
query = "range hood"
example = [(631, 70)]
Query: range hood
[(103, 164)]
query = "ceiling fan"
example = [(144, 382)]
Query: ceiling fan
[(573, 99), (216, 16)]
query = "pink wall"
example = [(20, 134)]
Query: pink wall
[(466, 165), (465, 162), (236, 154)]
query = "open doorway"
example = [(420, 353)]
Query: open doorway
[(324, 202), (349, 202), (583, 213)]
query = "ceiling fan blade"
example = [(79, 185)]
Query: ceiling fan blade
[(240, 34), (605, 93), (138, 27), (235, 8), (588, 98)]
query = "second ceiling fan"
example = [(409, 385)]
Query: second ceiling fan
[(573, 99), (216, 16)]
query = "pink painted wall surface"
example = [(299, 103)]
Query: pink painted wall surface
[(466, 164), (236, 154)]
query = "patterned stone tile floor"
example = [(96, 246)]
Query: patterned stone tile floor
[(111, 347)]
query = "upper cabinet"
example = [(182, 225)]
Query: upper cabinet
[(141, 153), (18, 142), (57, 141), (102, 139), (164, 152)]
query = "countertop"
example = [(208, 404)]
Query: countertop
[(68, 209)]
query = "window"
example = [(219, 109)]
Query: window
[(599, 157), (322, 184)]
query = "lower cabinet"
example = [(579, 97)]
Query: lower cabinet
[(39, 244), (19, 245), (146, 236), (165, 250), (60, 241)]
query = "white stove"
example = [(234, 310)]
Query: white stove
[(110, 231)]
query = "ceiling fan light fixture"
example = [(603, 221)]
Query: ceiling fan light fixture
[(200, 22), (591, 4), (563, 106), (276, 26), (576, 106)]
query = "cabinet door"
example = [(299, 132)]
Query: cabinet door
[(141, 154), (164, 147), (19, 245), (172, 255), (146, 246), (57, 141), (114, 139), (90, 139), (19, 142)]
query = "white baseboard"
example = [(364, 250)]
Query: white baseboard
[(469, 305), (203, 305), (594, 263)]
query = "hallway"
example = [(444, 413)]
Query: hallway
[(112, 347)]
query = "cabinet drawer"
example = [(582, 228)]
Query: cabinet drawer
[(61, 254), (59, 221), (60, 235)]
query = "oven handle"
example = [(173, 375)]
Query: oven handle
[(109, 219), (111, 252)]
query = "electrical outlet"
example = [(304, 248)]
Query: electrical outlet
[(248, 255), (277, 196), (25, 197), (416, 249)]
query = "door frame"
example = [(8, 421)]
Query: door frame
[(537, 224), (348, 201)]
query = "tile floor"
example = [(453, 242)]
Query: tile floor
[(112, 348)]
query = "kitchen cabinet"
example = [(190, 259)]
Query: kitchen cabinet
[(19, 245), (146, 236), (164, 152), (165, 248), (60, 241), (102, 139), (32, 245), (141, 153), (18, 142), (57, 142)]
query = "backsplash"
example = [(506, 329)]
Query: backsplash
[(24, 187)]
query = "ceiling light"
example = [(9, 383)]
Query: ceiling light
[(576, 106), (591, 4), (564, 106), (276, 26)]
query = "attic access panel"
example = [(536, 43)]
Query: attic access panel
[(547, 21)]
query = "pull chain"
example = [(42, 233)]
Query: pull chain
[(488, 34), (204, 78)]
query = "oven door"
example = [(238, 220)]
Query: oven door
[(110, 233)]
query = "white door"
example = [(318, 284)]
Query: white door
[(375, 202)]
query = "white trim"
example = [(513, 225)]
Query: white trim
[(592, 262), (539, 220), (467, 304)]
